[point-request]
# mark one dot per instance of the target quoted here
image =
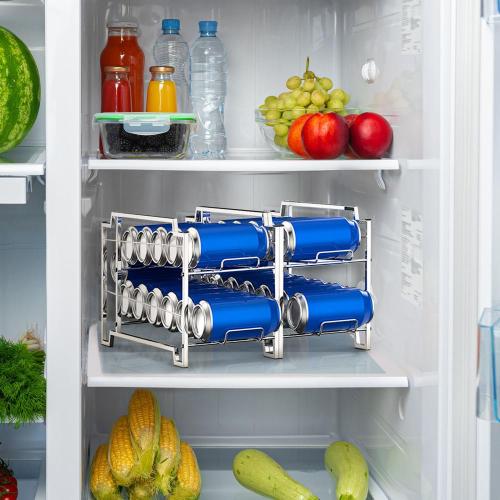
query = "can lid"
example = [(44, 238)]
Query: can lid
[(202, 321), (125, 302), (128, 245), (158, 250), (290, 241), (143, 243), (194, 247), (162, 69), (153, 302), (168, 310), (138, 306), (297, 312), (232, 283), (163, 310)]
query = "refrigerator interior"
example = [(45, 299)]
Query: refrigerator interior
[(22, 247), (323, 389)]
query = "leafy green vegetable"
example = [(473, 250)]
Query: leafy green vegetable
[(22, 384)]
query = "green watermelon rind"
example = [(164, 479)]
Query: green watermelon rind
[(19, 90)]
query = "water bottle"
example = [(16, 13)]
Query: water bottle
[(172, 50), (208, 90)]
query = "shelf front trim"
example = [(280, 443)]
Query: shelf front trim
[(243, 164)]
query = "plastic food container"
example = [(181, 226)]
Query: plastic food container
[(145, 135)]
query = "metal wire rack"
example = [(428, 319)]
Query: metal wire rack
[(114, 270)]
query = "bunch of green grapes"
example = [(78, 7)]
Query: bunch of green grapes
[(306, 94)]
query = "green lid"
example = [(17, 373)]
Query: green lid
[(145, 117)]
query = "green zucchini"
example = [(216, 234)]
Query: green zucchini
[(258, 472), (347, 465)]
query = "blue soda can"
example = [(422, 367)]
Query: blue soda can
[(325, 238), (252, 316), (340, 309), (212, 244)]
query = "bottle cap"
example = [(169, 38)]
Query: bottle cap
[(208, 26), (162, 69), (171, 25)]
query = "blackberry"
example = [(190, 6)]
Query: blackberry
[(171, 143)]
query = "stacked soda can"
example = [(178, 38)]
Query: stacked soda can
[(310, 305), (155, 295), (242, 305), (210, 245), (239, 242)]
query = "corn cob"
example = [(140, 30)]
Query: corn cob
[(122, 458), (102, 483), (188, 483), (169, 455), (142, 490), (144, 424)]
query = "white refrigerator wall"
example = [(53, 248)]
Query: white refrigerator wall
[(22, 266), (397, 427)]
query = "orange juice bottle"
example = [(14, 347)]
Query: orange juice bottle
[(162, 96)]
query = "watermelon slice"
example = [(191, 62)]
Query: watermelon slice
[(19, 90)]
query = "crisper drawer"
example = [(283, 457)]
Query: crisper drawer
[(292, 427)]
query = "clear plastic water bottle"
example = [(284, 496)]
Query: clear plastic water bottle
[(172, 50), (208, 91)]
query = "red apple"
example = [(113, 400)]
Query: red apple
[(325, 136), (349, 119), (370, 135), (295, 135)]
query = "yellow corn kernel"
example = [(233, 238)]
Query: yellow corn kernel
[(142, 490), (188, 483), (144, 424), (121, 455), (169, 455), (102, 483)]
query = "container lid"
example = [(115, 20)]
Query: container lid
[(208, 26), (162, 69), (145, 117), (171, 25)]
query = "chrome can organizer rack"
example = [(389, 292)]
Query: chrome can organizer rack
[(114, 269)]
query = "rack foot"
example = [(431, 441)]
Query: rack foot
[(362, 339)]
